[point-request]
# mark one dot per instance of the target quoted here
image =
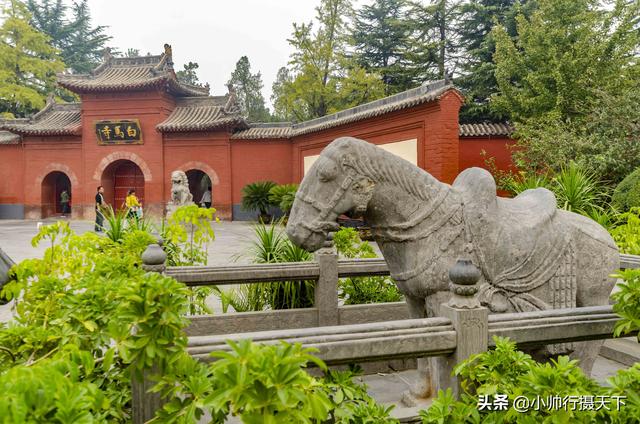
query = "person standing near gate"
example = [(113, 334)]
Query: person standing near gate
[(206, 199), (99, 205), (64, 201), (133, 205)]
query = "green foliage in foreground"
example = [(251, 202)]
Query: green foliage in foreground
[(359, 290), (87, 316), (627, 302), (627, 193), (506, 371), (266, 384)]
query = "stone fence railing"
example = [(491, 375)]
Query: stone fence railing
[(374, 332)]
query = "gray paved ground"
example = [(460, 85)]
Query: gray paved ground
[(232, 239)]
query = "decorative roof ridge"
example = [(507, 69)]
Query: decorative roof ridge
[(49, 104), (440, 85), (480, 129), (202, 100), (270, 124)]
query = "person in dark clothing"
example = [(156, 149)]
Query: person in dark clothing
[(99, 205), (64, 202)]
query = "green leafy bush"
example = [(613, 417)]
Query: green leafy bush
[(627, 302), (256, 196), (506, 371), (361, 290), (626, 231), (627, 194), (283, 196), (87, 316), (267, 384)]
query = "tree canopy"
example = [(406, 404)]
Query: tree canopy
[(322, 77), (71, 32), (249, 91), (28, 63)]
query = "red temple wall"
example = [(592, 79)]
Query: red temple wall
[(258, 160), (434, 125), (12, 180), (150, 108), (207, 152), (44, 155), (472, 148)]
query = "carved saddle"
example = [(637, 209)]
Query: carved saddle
[(520, 244)]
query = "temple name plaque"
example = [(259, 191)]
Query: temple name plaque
[(126, 131)]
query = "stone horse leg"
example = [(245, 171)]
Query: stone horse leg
[(595, 261), (425, 384)]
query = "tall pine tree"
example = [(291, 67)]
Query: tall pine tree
[(380, 38), (81, 44), (249, 91), (28, 63), (478, 82)]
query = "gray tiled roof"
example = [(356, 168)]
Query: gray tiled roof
[(264, 131), (7, 137), (423, 94), (54, 119), (488, 129), (131, 73), (201, 114)]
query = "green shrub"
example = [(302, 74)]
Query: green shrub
[(626, 231), (283, 195), (627, 194), (627, 302), (355, 291), (506, 371), (267, 384), (87, 316), (255, 196)]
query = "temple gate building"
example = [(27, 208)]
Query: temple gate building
[(136, 123)]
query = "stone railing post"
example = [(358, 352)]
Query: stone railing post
[(145, 403), (469, 318), (326, 292)]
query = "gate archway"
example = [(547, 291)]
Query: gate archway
[(53, 184), (118, 178), (199, 182)]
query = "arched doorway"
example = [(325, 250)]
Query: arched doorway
[(118, 178), (52, 187), (199, 182)]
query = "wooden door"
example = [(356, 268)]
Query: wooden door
[(125, 177)]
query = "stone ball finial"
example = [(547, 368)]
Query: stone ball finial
[(464, 275), (154, 258)]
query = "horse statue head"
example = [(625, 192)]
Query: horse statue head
[(333, 186)]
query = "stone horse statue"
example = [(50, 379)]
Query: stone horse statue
[(531, 255)]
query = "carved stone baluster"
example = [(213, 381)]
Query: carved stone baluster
[(326, 291), (144, 403), (469, 319)]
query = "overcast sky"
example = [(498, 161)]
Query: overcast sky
[(214, 33)]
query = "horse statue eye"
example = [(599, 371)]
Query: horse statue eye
[(327, 172)]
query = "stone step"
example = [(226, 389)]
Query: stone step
[(624, 350)]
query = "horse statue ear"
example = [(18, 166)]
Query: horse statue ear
[(362, 192)]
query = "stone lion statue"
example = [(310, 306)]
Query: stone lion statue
[(180, 194)]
